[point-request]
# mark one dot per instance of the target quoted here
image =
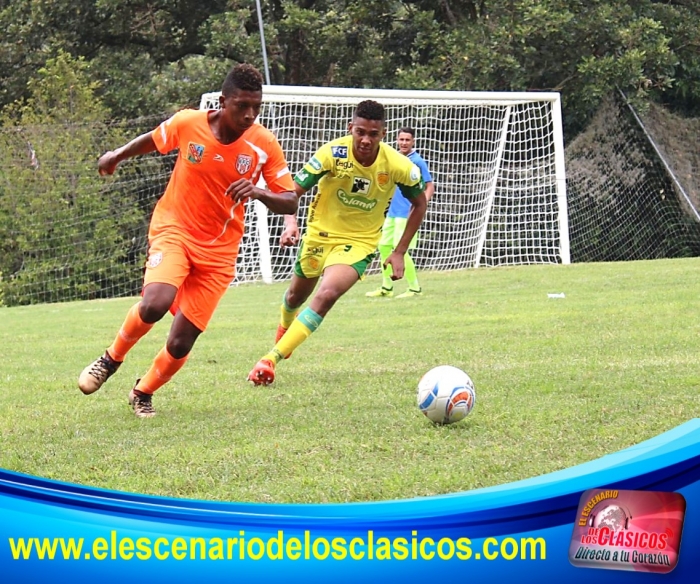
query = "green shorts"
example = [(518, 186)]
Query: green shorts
[(393, 230), (316, 254)]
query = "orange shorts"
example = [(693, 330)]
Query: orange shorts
[(201, 275)]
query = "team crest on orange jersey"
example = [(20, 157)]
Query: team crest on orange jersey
[(382, 178), (195, 152), (243, 163), (154, 259)]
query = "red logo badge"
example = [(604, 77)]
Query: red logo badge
[(637, 531)]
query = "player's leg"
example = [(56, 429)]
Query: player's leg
[(197, 299), (299, 290), (344, 265), (337, 280), (304, 278), (166, 268), (386, 244), (307, 270), (171, 358)]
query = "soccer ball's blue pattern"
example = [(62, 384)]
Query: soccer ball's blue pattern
[(446, 394), (425, 401)]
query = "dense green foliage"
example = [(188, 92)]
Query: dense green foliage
[(151, 56), (622, 203), (72, 73), (61, 237)]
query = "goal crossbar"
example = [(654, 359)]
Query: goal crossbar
[(497, 161), (302, 94)]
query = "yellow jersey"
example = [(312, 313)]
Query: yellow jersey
[(352, 200)]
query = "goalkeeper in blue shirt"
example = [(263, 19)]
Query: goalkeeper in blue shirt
[(395, 223)]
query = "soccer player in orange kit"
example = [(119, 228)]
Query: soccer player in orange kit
[(197, 225)]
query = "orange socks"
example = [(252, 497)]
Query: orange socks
[(164, 366), (132, 330)]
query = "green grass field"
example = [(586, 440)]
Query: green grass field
[(559, 382)]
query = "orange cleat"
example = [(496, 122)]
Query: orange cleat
[(263, 373)]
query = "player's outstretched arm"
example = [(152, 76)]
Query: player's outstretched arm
[(108, 162)]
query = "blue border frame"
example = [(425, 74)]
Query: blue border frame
[(540, 507)]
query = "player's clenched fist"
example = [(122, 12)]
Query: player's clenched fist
[(107, 163), (290, 236), (241, 189)]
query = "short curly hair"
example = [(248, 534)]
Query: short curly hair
[(243, 76), (369, 110)]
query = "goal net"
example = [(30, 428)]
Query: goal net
[(497, 161), (496, 158), (626, 202)]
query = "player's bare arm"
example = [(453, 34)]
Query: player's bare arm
[(285, 203), (419, 205), (290, 235), (109, 161), (429, 190)]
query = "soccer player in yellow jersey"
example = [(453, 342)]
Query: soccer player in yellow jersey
[(356, 176)]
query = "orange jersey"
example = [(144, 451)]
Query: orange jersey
[(194, 201)]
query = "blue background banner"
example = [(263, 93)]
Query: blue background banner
[(486, 535)]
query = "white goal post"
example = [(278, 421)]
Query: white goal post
[(497, 161)]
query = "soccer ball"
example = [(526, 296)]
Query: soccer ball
[(446, 394)]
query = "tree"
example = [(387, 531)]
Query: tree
[(681, 21), (159, 55), (54, 220), (129, 41), (582, 49)]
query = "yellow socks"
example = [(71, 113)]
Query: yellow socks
[(299, 330)]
